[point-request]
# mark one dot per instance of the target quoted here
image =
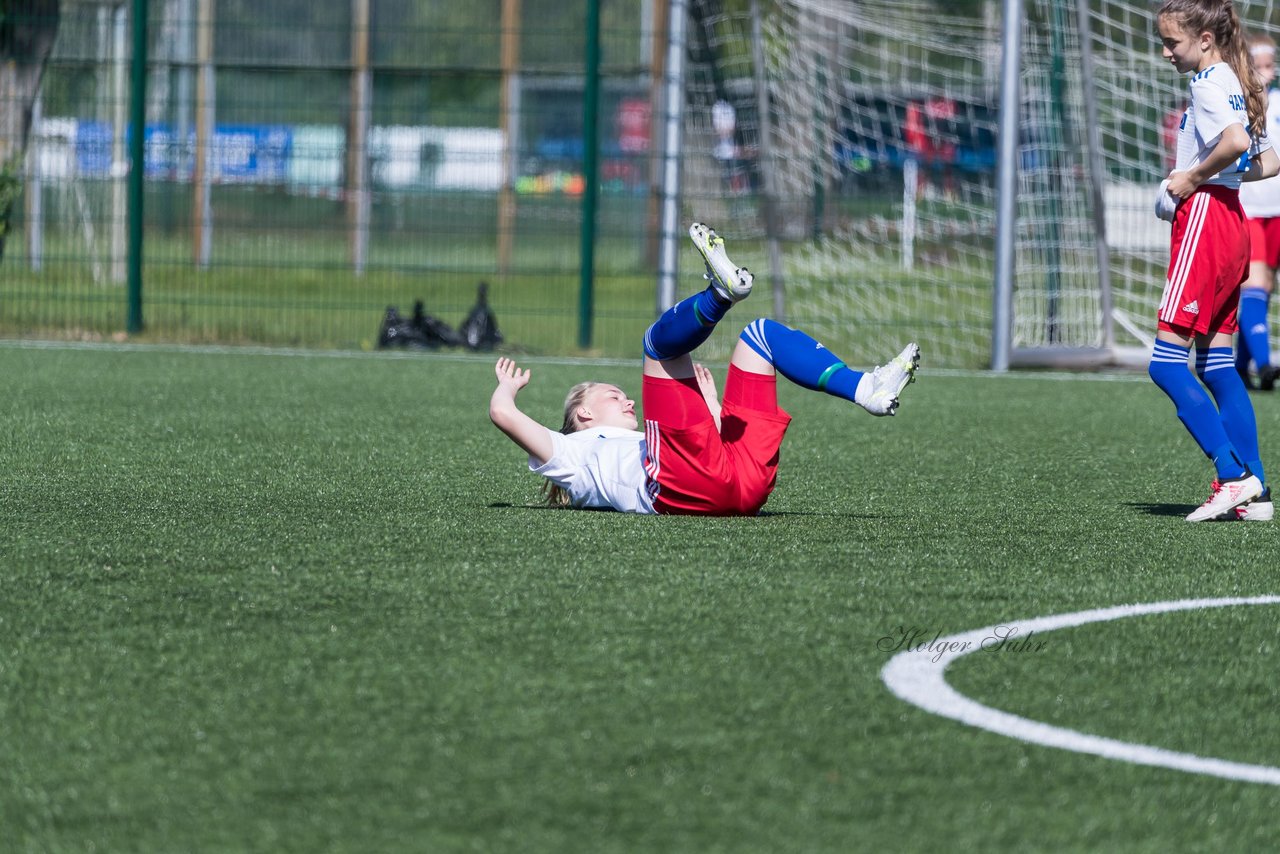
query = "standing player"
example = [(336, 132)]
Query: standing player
[(1221, 135), (694, 457), (1261, 201)]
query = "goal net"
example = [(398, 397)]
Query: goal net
[(882, 158)]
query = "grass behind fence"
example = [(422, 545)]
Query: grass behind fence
[(280, 273), (281, 603)]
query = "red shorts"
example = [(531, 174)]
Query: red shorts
[(1264, 241), (1208, 261), (702, 471)]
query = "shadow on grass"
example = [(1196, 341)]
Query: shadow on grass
[(504, 505), (1162, 509)]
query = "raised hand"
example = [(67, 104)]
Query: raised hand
[(511, 376)]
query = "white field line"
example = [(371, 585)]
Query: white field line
[(918, 677), (449, 356)]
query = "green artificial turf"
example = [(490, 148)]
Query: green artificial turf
[(259, 601)]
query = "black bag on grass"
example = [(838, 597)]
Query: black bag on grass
[(435, 331), (398, 332), (480, 329)]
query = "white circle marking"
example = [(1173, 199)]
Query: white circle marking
[(919, 678)]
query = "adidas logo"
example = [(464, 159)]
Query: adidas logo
[(1192, 307)]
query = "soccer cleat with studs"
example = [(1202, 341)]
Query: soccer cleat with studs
[(1226, 497), (888, 381), (1259, 509), (730, 281)]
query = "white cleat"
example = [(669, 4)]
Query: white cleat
[(1259, 509), (730, 281), (1227, 496), (888, 381)]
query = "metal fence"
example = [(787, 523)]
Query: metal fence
[(305, 166)]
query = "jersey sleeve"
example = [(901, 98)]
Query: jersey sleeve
[(1213, 110), (564, 466)]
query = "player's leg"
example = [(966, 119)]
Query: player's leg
[(1257, 273), (1208, 259), (1255, 346), (1234, 484), (688, 323), (684, 326), (1260, 326), (807, 363), (1235, 410), (752, 426), (752, 382), (1260, 335)]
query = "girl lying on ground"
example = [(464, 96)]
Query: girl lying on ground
[(695, 455)]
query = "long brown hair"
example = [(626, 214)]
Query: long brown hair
[(1219, 17), (556, 496)]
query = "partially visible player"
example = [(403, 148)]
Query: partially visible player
[(696, 456), (1261, 201), (1221, 141)]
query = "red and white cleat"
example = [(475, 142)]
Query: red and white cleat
[(1227, 496)]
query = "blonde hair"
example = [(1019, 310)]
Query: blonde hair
[(555, 495), (1259, 42), (1219, 18)]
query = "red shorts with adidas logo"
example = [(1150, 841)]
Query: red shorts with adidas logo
[(699, 470), (1208, 261)]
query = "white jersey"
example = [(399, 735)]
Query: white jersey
[(1217, 102), (601, 468), (1261, 199)]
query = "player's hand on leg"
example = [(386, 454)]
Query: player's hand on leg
[(707, 385)]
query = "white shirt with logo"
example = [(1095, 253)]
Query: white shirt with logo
[(600, 468), (1217, 102)]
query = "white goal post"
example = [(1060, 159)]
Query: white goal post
[(883, 159)]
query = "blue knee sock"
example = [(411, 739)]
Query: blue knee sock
[(1196, 411), (1253, 326), (685, 325), (1242, 354), (801, 359), (1234, 406)]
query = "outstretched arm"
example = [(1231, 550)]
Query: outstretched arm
[(507, 417)]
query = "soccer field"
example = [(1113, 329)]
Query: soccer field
[(272, 601)]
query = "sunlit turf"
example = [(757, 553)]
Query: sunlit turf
[(270, 602)]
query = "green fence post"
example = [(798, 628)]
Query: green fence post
[(137, 163), (590, 169)]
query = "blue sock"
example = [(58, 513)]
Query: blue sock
[(1234, 406), (1253, 326), (684, 326), (801, 359), (1242, 354), (1196, 411)]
